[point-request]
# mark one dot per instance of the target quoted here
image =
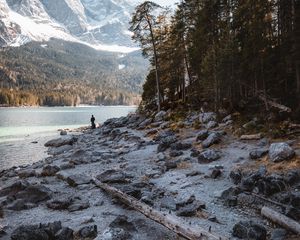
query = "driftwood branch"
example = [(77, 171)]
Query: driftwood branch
[(275, 104), (251, 137), (281, 219), (171, 222)]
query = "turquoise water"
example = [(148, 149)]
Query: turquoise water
[(20, 127)]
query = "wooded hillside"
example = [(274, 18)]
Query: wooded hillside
[(59, 73), (228, 53)]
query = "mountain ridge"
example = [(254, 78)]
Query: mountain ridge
[(69, 70), (99, 24)]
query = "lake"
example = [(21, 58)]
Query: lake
[(23, 131)]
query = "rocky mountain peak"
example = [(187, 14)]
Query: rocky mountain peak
[(93, 22)]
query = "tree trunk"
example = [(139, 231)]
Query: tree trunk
[(156, 67), (171, 222), (281, 219)]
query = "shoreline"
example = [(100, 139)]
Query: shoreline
[(193, 174)]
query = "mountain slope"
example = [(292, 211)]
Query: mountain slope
[(93, 22), (57, 69)]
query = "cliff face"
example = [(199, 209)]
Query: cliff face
[(89, 21)]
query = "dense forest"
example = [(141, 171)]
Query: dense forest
[(226, 53), (59, 73)]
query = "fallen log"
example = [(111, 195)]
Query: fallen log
[(251, 137), (169, 221), (281, 219), (275, 104)]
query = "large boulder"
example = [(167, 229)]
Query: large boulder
[(213, 138), (166, 142), (279, 152), (258, 153), (49, 170), (113, 176), (12, 188), (208, 156), (65, 140), (249, 230), (78, 179), (37, 232), (34, 194), (181, 146)]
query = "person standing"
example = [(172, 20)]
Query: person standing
[(93, 122)]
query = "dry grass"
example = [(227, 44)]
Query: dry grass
[(272, 167), (184, 165)]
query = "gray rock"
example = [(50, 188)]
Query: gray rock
[(202, 135), (190, 210), (145, 123), (78, 179), (235, 176), (168, 203), (292, 176), (181, 146), (49, 170), (89, 232), (36, 232), (59, 204), (29, 233), (258, 153), (263, 142), (65, 166), (208, 116), (165, 143), (59, 150), (163, 134), (34, 194), (216, 173), (170, 165), (278, 234), (20, 204), (114, 176), (78, 204), (12, 188), (279, 152), (160, 116), (66, 140), (175, 153), (161, 157), (249, 230), (65, 234), (208, 156), (27, 173), (213, 138), (63, 132), (211, 124)]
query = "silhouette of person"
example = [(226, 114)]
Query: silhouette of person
[(93, 122)]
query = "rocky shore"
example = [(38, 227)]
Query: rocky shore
[(195, 169)]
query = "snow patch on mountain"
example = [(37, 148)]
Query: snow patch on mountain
[(102, 24)]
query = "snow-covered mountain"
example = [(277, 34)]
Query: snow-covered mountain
[(101, 24)]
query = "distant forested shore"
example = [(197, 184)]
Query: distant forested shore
[(16, 98)]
